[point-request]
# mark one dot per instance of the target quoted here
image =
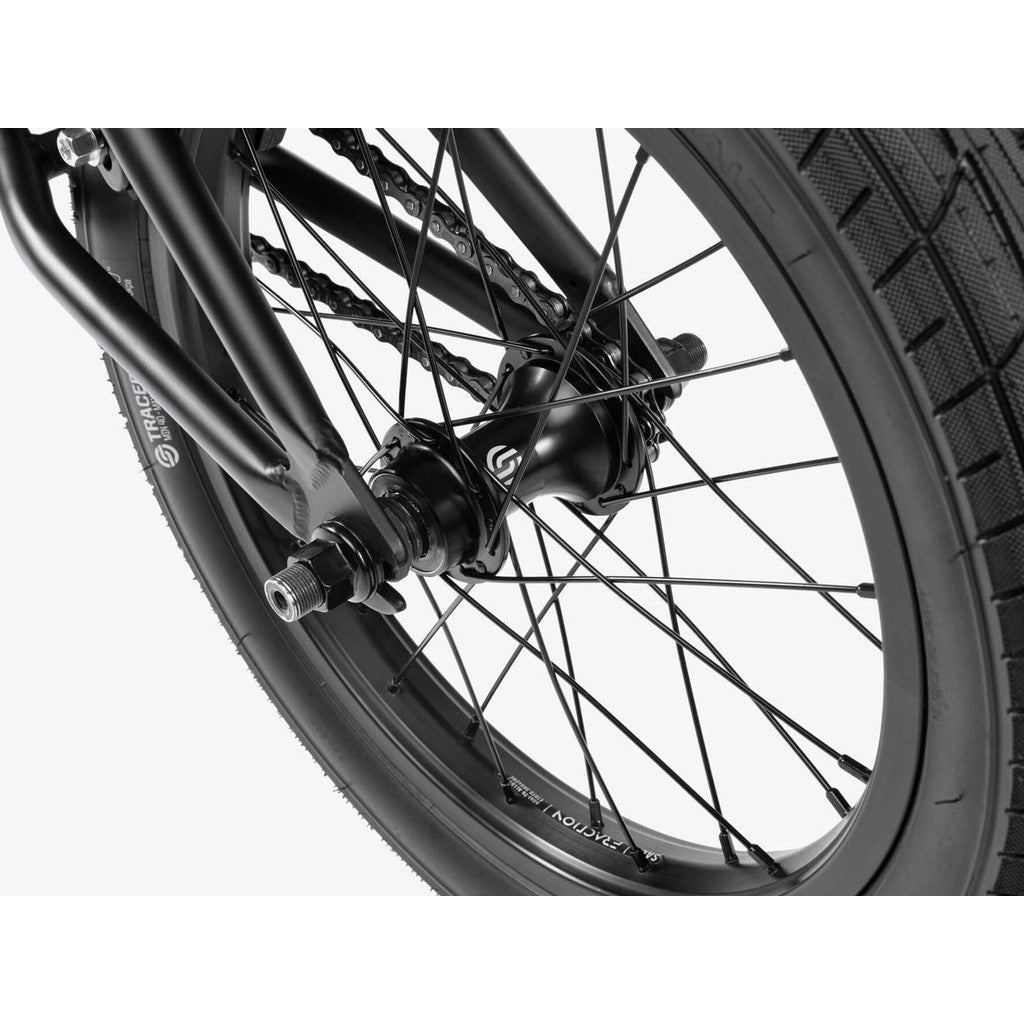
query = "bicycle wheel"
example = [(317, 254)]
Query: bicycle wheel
[(773, 648)]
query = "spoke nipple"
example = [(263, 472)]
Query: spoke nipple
[(772, 866), (510, 794), (596, 819), (785, 355), (838, 801), (854, 768), (728, 850), (867, 590), (472, 728), (394, 684), (639, 859)]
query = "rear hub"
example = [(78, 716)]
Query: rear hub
[(578, 458), (445, 502)]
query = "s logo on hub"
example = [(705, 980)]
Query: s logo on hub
[(503, 461)]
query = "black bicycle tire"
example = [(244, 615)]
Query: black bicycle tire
[(899, 208)]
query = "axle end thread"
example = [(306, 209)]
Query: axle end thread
[(294, 592)]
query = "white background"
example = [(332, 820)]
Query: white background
[(202, 868)]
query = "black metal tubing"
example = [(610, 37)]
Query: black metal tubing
[(343, 212), (524, 202), (305, 480), (326, 483), (129, 335)]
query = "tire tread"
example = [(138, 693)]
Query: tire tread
[(936, 217)]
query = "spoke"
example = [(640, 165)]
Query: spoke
[(620, 283), (663, 276), (414, 276), (634, 849), (503, 780), (758, 855), (493, 252), (321, 330), (475, 239), (399, 677), (400, 254), (729, 677), (724, 839), (482, 339), (600, 532), (659, 421), (631, 389), (595, 806), (385, 404), (570, 351), (333, 253), (496, 390), (386, 447), (866, 590), (747, 474), (446, 629), (847, 764)]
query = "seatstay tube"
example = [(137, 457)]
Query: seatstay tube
[(327, 484), (126, 332)]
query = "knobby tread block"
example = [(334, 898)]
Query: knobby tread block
[(1016, 685), (1015, 831), (1017, 797), (936, 217)]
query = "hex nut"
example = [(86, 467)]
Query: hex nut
[(333, 570), (80, 146)]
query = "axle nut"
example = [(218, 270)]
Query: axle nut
[(318, 578), (80, 146), (332, 569)]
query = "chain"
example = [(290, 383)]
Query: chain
[(450, 227), (367, 315)]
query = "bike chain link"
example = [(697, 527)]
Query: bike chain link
[(449, 226), (456, 370)]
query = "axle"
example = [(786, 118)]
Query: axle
[(444, 502)]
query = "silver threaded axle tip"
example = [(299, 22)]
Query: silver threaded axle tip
[(80, 146), (294, 592), (685, 353), (696, 351)]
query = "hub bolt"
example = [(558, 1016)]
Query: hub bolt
[(81, 146)]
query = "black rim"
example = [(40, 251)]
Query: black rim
[(428, 719)]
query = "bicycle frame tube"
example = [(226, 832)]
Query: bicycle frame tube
[(539, 222), (343, 212), (303, 479)]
